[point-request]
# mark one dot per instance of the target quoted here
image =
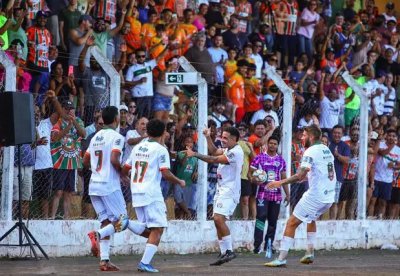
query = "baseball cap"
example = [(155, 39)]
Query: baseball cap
[(267, 97), (84, 17), (390, 6), (374, 135), (68, 105), (42, 14), (123, 107)]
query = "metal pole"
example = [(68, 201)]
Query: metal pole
[(363, 153), (8, 152)]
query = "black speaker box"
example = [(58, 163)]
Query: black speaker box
[(16, 119)]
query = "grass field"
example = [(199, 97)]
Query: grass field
[(343, 263)]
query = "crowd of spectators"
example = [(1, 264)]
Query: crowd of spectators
[(309, 42)]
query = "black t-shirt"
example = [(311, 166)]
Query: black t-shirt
[(383, 65), (214, 17), (232, 40)]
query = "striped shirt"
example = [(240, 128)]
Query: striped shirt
[(396, 177), (106, 9), (297, 150), (273, 166), (39, 44), (286, 23)]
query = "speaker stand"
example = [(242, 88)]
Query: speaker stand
[(20, 225)]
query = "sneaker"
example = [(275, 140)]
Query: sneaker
[(276, 263), (94, 239), (122, 223), (108, 266), (307, 259), (146, 268), (256, 251)]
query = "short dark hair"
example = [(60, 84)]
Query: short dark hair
[(211, 123), (233, 131), (274, 137), (109, 114), (391, 130), (338, 126), (260, 122), (155, 128), (314, 130)]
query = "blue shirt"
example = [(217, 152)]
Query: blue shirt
[(343, 150)]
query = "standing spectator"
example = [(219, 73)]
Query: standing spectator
[(341, 152), (140, 78), (124, 127), (247, 188), (268, 201), (16, 31), (217, 114), (219, 56), (308, 21), (63, 86), (55, 7), (234, 90), (387, 160), (66, 137), (330, 109), (233, 38), (244, 11), (77, 39), (390, 96), (5, 23), (186, 30), (348, 191), (265, 35), (68, 20), (134, 137), (96, 84), (286, 18), (395, 200), (132, 115), (259, 139)]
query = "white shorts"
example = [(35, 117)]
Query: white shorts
[(109, 207), (26, 183), (308, 210), (153, 215), (224, 206)]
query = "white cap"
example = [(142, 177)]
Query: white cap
[(123, 107), (374, 135)]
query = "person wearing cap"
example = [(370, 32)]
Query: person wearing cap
[(124, 127), (39, 42), (234, 90), (77, 38), (66, 136), (390, 12), (68, 20), (267, 103)]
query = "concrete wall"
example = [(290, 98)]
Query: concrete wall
[(69, 238)]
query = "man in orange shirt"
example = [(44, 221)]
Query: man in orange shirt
[(252, 92), (258, 139), (186, 30), (234, 90)]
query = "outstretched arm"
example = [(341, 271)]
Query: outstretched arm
[(300, 175), (219, 159)]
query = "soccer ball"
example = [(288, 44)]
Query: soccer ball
[(260, 175)]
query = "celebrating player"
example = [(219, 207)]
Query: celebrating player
[(230, 160), (103, 157), (148, 162), (317, 162)]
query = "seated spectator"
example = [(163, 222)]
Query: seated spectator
[(266, 101)]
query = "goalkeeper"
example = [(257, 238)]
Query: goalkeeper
[(268, 201)]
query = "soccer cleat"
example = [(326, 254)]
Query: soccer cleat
[(108, 266), (276, 263), (122, 223), (307, 259), (94, 239), (146, 268), (227, 257)]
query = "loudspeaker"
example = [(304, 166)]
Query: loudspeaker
[(16, 119)]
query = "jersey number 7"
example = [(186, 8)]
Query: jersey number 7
[(99, 154), (140, 171)]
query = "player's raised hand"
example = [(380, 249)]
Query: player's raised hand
[(207, 132), (274, 185)]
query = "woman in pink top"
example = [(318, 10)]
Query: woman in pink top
[(308, 20)]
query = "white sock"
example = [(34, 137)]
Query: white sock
[(228, 242), (106, 231), (136, 227), (311, 236), (286, 244), (104, 250), (149, 252), (222, 246)]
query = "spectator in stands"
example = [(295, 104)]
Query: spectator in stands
[(62, 85), (341, 152), (267, 101), (134, 137), (265, 35), (77, 39), (252, 91), (259, 138), (233, 38), (330, 107), (219, 57), (248, 189), (308, 21), (140, 80), (68, 20), (132, 115), (387, 160), (15, 31), (234, 90), (124, 127), (348, 191), (96, 84), (66, 137), (217, 114)]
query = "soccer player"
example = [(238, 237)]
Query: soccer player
[(230, 160), (317, 163), (148, 162), (103, 157)]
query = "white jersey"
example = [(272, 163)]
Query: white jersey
[(321, 177), (229, 175), (147, 160), (382, 172), (105, 179)]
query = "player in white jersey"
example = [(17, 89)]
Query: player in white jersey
[(148, 162), (317, 164), (230, 160), (103, 157)]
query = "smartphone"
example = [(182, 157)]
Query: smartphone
[(174, 15), (70, 70)]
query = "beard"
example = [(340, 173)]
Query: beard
[(307, 143)]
